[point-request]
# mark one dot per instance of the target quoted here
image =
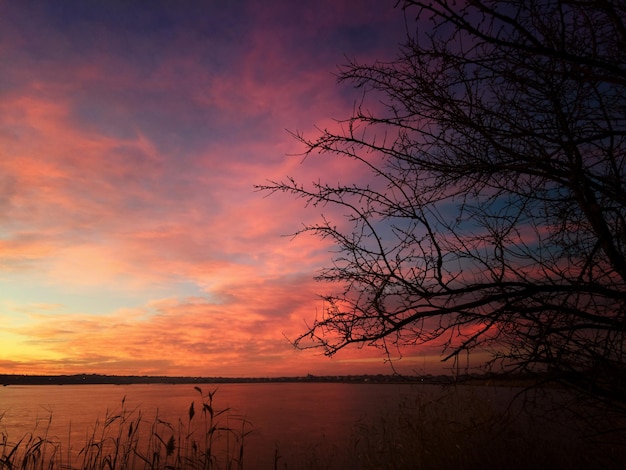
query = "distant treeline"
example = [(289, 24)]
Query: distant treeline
[(93, 379)]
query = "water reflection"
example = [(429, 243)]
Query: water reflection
[(292, 417)]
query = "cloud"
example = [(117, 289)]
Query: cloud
[(131, 139), (219, 334)]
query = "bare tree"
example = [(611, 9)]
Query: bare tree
[(494, 218)]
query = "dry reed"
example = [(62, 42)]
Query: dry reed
[(125, 440)]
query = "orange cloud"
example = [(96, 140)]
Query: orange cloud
[(129, 155)]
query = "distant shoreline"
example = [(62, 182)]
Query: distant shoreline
[(99, 379)]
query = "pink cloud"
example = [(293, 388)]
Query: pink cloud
[(129, 159)]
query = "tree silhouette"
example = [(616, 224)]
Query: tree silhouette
[(494, 215)]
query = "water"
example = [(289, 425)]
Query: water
[(293, 417)]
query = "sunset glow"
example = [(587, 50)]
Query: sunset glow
[(131, 135)]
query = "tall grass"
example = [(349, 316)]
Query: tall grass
[(124, 439), (462, 428)]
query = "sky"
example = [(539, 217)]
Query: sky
[(132, 240)]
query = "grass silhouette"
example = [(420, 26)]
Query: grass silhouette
[(203, 440)]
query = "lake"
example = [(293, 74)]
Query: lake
[(299, 426), (295, 418)]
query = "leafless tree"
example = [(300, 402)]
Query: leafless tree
[(494, 217)]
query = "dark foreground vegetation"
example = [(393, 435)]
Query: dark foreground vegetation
[(462, 427)]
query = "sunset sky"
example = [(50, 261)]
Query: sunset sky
[(132, 240)]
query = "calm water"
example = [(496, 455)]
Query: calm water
[(293, 416)]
